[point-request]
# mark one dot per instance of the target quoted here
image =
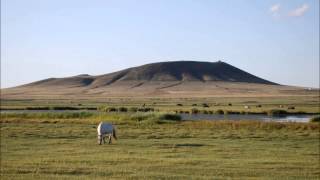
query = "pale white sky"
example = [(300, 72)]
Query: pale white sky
[(277, 40)]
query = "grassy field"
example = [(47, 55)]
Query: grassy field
[(149, 149)]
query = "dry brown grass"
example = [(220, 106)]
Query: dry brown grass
[(157, 89)]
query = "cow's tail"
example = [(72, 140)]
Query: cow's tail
[(114, 133)]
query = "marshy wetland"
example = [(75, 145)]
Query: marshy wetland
[(155, 143)]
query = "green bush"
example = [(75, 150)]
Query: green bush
[(150, 118), (205, 105), (277, 112), (291, 107), (111, 109), (172, 117), (147, 109), (204, 112), (231, 112), (182, 112), (243, 112), (133, 109), (64, 108), (101, 108), (300, 112), (194, 111), (122, 109), (90, 108), (219, 111), (315, 119), (37, 108)]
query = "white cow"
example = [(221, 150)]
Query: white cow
[(105, 129)]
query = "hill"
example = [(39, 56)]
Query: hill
[(164, 79), (164, 71)]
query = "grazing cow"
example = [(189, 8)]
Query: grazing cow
[(106, 129)]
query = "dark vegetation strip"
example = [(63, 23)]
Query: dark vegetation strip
[(272, 112), (90, 117), (48, 115), (126, 109), (39, 108), (150, 119), (315, 119)]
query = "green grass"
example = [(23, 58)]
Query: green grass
[(67, 149), (308, 104)]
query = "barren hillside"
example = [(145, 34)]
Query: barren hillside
[(164, 79)]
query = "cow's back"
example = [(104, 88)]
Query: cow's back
[(104, 128)]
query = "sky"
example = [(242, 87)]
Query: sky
[(277, 40)]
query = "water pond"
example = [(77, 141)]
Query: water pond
[(262, 117)]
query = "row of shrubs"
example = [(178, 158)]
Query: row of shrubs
[(154, 117), (230, 104), (48, 115), (219, 111), (139, 117), (125, 109), (217, 104), (273, 112), (40, 108), (151, 117)]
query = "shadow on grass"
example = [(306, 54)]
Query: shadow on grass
[(189, 145), (165, 146)]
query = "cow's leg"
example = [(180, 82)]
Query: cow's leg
[(110, 138), (99, 139)]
